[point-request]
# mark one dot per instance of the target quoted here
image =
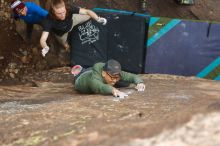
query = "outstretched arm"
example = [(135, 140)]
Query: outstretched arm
[(101, 88), (43, 42), (88, 12), (92, 15), (118, 93), (43, 39), (133, 78)]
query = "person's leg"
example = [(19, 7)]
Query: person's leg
[(63, 40), (81, 73), (29, 30), (77, 19), (81, 70)]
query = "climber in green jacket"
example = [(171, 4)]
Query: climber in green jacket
[(102, 77)]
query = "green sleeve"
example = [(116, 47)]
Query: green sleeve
[(99, 87), (130, 77)]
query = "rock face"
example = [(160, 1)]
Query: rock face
[(202, 130), (53, 113)]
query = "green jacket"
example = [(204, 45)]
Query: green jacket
[(93, 82)]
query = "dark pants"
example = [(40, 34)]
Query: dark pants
[(29, 29), (82, 71)]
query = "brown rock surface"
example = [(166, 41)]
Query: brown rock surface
[(54, 114), (202, 130)]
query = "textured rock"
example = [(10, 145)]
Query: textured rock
[(201, 130), (52, 113)]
